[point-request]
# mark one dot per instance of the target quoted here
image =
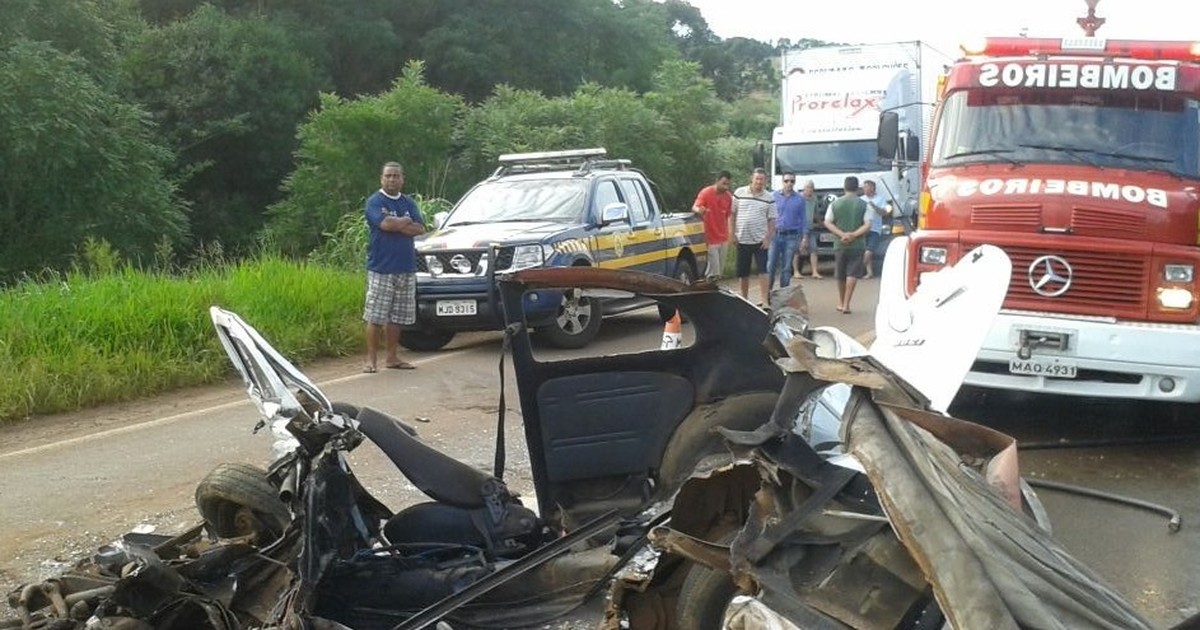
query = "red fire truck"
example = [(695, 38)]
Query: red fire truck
[(1081, 159)]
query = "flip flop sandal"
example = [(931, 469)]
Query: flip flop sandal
[(403, 365)]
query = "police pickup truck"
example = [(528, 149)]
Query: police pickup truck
[(552, 209)]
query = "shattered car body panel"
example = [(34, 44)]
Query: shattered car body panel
[(823, 544)]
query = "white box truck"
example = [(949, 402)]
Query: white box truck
[(831, 98)]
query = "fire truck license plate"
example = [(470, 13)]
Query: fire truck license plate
[(1055, 368), (455, 308)]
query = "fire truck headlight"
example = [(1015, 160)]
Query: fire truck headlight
[(933, 255), (1175, 298), (1178, 273)]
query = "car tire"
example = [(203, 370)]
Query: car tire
[(425, 340), (704, 596), (685, 271), (237, 500), (576, 324)]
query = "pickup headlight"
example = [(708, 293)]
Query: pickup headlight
[(526, 256), (933, 255), (1178, 273)]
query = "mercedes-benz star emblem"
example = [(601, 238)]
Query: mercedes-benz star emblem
[(1050, 276)]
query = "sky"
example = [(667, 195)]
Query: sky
[(945, 23)]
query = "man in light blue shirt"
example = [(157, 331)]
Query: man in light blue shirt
[(880, 210)]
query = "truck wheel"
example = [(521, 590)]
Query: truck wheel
[(425, 340), (237, 500), (577, 322), (685, 271)]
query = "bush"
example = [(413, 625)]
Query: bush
[(343, 147), (82, 338)]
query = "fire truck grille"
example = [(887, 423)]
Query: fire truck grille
[(1102, 283)]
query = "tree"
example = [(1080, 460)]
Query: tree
[(76, 161), (694, 118), (354, 42), (344, 144), (92, 30), (227, 93), (516, 121), (550, 46)]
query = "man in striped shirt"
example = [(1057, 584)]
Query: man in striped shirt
[(754, 227)]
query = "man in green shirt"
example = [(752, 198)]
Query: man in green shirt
[(849, 219)]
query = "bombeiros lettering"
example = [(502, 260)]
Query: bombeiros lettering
[(1128, 193), (1102, 76)]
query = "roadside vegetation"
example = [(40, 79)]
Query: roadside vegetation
[(161, 157), (109, 332)]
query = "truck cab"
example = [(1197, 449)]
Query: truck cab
[(1081, 159), (546, 209)]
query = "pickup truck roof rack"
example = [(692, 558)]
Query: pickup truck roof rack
[(582, 161)]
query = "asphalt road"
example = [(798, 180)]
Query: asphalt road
[(77, 481)]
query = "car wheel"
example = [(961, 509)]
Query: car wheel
[(576, 324), (704, 596), (236, 500), (685, 271), (425, 340)]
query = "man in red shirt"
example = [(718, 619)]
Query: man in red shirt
[(714, 204)]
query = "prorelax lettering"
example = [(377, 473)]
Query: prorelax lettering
[(856, 103), (1121, 76), (1100, 190)]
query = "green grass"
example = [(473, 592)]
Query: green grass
[(78, 339)]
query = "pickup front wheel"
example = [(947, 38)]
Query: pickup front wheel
[(576, 324)]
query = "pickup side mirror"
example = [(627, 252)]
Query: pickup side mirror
[(615, 212), (759, 156), (888, 136), (439, 219)]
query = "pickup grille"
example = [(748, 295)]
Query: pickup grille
[(474, 257), (1102, 283)]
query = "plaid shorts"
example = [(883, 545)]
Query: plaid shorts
[(391, 298)]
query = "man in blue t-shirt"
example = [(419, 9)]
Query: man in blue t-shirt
[(393, 220)]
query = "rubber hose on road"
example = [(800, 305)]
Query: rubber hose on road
[(1102, 442), (1173, 524)]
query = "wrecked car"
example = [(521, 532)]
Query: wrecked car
[(304, 544), (858, 504), (704, 478)]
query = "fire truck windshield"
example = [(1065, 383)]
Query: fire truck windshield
[(852, 156), (1105, 129)]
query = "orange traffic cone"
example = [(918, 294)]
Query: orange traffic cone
[(673, 333)]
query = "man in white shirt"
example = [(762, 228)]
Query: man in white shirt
[(753, 227)]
